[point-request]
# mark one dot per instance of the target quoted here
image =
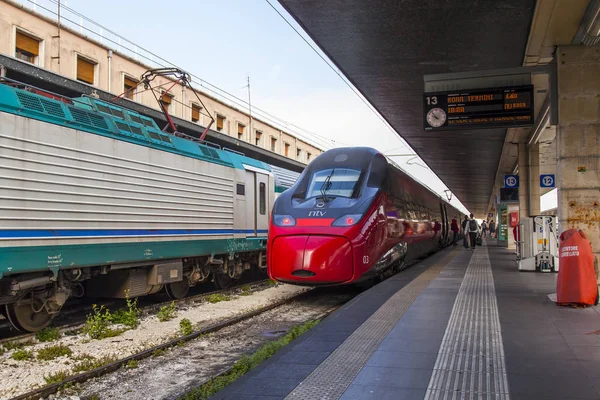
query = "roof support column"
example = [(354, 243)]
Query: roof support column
[(529, 175), (578, 141)]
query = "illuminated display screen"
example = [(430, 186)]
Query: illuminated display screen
[(481, 108)]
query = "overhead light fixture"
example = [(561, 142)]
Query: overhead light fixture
[(448, 194)]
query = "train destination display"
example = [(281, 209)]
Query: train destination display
[(478, 108)]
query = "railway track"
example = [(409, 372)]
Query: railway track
[(79, 314), (114, 366)]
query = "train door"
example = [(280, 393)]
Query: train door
[(262, 206), (446, 224), (249, 205), (443, 222)]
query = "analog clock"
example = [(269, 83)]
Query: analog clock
[(436, 117)]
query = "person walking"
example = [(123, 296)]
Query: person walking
[(484, 228), (454, 229), (492, 229), (472, 230), (463, 226)]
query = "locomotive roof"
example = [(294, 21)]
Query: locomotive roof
[(106, 119)]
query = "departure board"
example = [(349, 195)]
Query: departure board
[(479, 108)]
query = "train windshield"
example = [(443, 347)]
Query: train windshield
[(333, 182)]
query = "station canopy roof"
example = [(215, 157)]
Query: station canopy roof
[(385, 47)]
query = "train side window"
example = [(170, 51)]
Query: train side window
[(241, 189), (262, 198)]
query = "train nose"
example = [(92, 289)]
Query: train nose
[(313, 259)]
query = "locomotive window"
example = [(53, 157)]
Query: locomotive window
[(333, 182), (262, 200), (241, 189)]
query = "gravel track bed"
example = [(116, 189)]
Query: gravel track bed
[(183, 368), (19, 377)]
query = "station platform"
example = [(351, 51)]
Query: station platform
[(458, 325)]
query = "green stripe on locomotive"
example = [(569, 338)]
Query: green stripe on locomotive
[(15, 260)]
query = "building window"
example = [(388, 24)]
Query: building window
[(166, 100), (220, 122), (27, 48), (262, 198), (308, 155), (85, 70), (286, 151), (273, 144), (129, 86), (241, 128), (196, 112), (257, 138)]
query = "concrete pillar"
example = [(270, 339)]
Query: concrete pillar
[(578, 141), (529, 180), (523, 181), (534, 180)]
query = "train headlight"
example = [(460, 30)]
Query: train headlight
[(284, 220), (347, 220)]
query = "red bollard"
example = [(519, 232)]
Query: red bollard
[(576, 284)]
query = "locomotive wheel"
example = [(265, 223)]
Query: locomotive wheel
[(22, 316), (177, 290), (222, 281)]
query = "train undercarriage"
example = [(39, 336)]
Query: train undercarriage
[(31, 301)]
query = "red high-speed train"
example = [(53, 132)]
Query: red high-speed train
[(353, 215)]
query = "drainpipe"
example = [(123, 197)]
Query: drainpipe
[(110, 53)]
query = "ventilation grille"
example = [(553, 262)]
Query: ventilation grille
[(122, 126), (53, 108), (117, 113), (86, 118), (136, 130), (135, 118), (80, 116), (208, 152), (98, 121), (30, 101), (148, 123)]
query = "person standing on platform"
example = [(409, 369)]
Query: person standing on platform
[(464, 230), (492, 228), (454, 229), (484, 228), (472, 230)]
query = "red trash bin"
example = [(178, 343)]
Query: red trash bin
[(576, 282)]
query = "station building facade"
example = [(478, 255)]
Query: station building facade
[(38, 39)]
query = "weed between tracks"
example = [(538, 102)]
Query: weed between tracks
[(98, 324), (22, 355), (217, 298), (247, 363), (48, 335), (185, 327), (52, 352), (167, 313)]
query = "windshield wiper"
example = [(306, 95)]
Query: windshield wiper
[(326, 186)]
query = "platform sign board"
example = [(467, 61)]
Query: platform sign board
[(490, 215), (478, 108), (547, 181), (511, 181)]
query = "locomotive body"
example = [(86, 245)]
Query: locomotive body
[(96, 199)]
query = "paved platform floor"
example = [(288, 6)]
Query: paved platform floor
[(458, 325)]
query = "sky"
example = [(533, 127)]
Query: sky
[(223, 42)]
